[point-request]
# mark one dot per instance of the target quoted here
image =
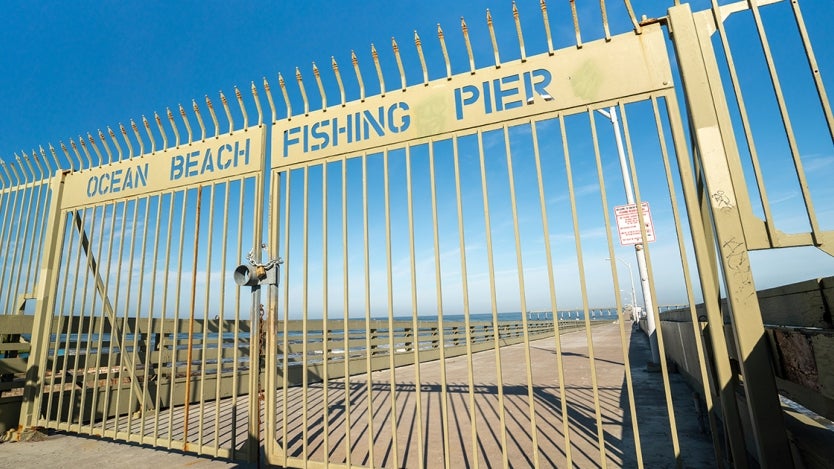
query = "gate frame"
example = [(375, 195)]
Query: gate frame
[(712, 135), (45, 305)]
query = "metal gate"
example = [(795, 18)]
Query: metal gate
[(443, 268), (143, 338)]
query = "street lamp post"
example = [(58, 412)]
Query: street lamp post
[(639, 253), (631, 277)]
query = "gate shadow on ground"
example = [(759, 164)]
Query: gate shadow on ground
[(546, 400)]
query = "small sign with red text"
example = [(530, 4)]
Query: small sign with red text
[(628, 224)]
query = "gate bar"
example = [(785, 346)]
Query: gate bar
[(695, 58), (706, 379), (47, 290)]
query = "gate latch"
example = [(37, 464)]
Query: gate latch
[(257, 273)]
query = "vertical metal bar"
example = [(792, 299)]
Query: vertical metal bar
[(415, 330), (221, 341), (274, 233), (125, 364), (15, 194), (604, 13), (206, 304), (69, 342), (466, 311), (584, 291), (149, 335), (115, 331), (653, 311), (96, 272), (523, 301), (751, 342), (237, 326), (493, 303), (696, 329), (444, 388), (698, 218), (38, 225), (25, 242), (60, 324), (812, 64), (611, 255), (191, 313), (637, 28), (553, 305), (45, 306), (392, 350), (368, 350), (576, 24), (175, 340), (12, 284), (70, 323), (786, 122), (284, 332), (346, 317), (162, 320), (770, 224), (84, 332), (305, 286), (255, 388), (136, 330), (325, 326), (175, 331)]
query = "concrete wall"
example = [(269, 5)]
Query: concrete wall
[(798, 323)]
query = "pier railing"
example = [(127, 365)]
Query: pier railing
[(91, 361)]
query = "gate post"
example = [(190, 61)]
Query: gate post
[(705, 99), (45, 294)]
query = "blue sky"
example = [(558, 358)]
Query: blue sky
[(70, 69)]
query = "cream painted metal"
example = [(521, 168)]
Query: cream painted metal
[(145, 340), (316, 157), (405, 221)]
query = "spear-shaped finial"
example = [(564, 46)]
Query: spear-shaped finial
[(492, 37), (465, 30), (419, 46), (338, 78), (358, 75), (445, 51), (396, 49), (323, 95)]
